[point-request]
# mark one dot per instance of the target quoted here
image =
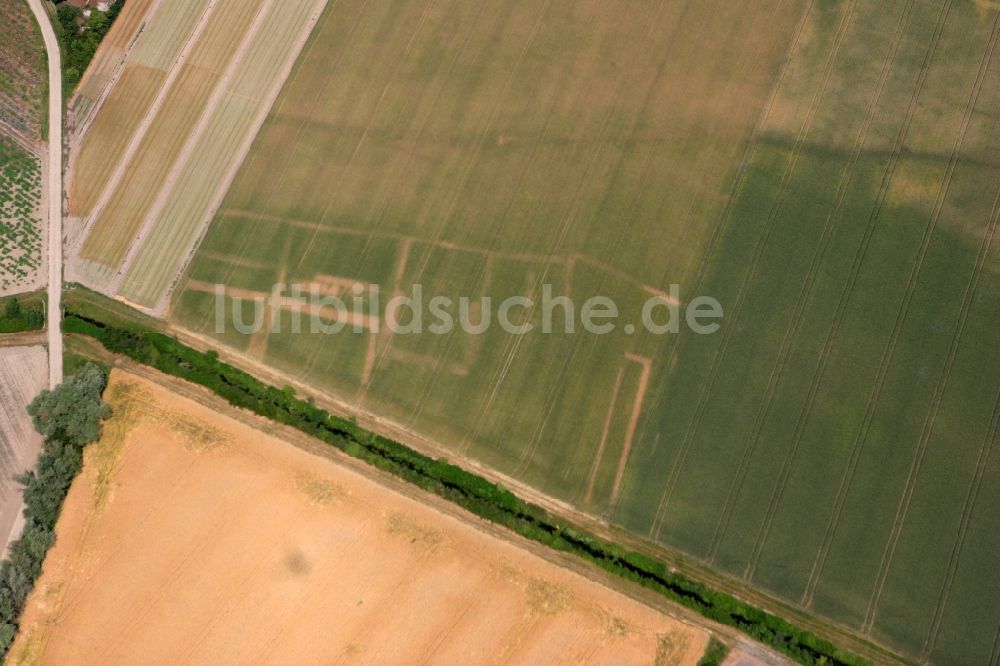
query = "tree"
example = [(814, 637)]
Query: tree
[(68, 17), (71, 414), (99, 23), (33, 318), (69, 417), (12, 309)]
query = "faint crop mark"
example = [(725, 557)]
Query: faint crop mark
[(546, 597), (319, 490), (405, 526), (670, 649)]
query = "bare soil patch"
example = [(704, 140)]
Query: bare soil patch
[(23, 374)]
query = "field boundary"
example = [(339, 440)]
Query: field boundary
[(470, 491)]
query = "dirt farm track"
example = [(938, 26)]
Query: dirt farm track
[(190, 537)]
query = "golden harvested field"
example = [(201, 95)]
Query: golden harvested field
[(109, 135), (192, 538)]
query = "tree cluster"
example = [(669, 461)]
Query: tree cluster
[(14, 318), (80, 37)]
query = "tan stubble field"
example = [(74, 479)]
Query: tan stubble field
[(190, 537)]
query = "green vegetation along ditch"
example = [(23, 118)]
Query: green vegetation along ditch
[(487, 500)]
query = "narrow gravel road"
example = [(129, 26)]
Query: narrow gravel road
[(54, 189)]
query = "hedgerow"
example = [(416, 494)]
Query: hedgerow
[(68, 417)]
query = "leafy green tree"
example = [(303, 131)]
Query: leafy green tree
[(98, 24), (68, 15), (71, 414), (33, 318), (68, 417), (80, 38), (12, 309)]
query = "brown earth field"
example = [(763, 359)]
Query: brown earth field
[(191, 537), (23, 371)]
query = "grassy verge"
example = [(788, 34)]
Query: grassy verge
[(485, 499), (73, 363)]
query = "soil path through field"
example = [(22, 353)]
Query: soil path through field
[(54, 190)]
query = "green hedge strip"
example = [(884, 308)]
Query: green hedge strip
[(483, 498)]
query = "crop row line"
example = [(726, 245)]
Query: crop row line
[(901, 511), (316, 99), (564, 364), (751, 271), (736, 484), (985, 450), (688, 222), (833, 333), (473, 158), (724, 218), (806, 292)]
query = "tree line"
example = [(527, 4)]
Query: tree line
[(68, 417), (80, 36)]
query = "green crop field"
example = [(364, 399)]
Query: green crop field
[(20, 232), (828, 170), (485, 151)]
